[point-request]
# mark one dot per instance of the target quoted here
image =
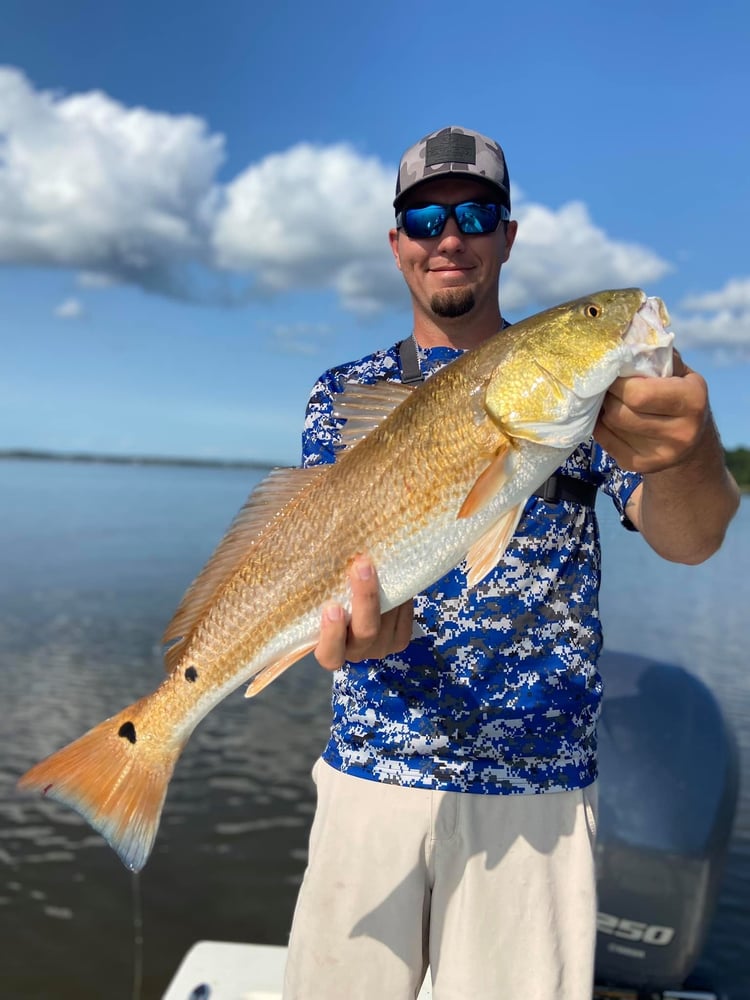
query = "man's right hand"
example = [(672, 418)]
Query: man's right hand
[(367, 634)]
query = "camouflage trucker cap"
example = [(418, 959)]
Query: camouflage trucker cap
[(452, 151)]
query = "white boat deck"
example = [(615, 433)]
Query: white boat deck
[(229, 971)]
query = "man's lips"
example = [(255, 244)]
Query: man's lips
[(450, 274), (450, 269)]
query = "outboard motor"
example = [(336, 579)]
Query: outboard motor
[(667, 796)]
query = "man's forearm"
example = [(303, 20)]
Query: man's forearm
[(683, 511)]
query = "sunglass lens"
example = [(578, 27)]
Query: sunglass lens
[(475, 217), (422, 223)]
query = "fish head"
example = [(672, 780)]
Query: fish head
[(549, 383)]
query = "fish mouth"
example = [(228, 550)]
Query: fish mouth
[(648, 342)]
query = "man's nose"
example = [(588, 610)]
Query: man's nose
[(451, 237)]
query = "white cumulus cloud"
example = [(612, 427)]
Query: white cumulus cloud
[(312, 217), (88, 184), (70, 309), (719, 319), (561, 254), (735, 296)]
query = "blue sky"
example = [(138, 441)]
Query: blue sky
[(194, 198)]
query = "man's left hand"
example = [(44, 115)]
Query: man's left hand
[(651, 424)]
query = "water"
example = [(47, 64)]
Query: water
[(93, 560)]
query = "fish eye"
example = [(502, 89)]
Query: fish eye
[(592, 310)]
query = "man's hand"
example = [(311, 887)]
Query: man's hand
[(651, 424), (368, 634), (662, 428)]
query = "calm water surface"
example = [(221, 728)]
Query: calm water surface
[(93, 561)]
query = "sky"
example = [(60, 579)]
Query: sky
[(195, 198)]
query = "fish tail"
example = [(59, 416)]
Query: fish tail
[(115, 780)]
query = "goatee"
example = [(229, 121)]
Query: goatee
[(452, 302)]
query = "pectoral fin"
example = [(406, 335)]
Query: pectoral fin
[(490, 482), (486, 553)]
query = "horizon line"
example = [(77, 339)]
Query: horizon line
[(105, 458)]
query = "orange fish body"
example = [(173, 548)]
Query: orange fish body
[(428, 477)]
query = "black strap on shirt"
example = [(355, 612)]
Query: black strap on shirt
[(558, 488), (407, 355), (554, 489)]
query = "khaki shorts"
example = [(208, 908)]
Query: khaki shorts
[(497, 893)]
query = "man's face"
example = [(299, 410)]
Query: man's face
[(453, 274)]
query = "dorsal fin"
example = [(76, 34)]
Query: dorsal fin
[(365, 407), (265, 501)]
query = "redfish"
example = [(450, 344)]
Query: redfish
[(427, 477)]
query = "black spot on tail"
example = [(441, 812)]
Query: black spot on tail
[(127, 731), (191, 674)]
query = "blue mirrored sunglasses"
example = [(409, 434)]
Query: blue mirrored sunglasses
[(472, 217)]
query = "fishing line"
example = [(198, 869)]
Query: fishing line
[(137, 911)]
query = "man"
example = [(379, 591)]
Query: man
[(457, 794)]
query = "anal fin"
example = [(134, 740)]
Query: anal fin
[(268, 674)]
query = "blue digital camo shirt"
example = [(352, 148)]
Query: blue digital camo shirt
[(499, 691)]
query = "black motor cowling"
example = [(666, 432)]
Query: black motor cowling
[(667, 795)]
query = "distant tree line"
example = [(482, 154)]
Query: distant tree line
[(738, 463)]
